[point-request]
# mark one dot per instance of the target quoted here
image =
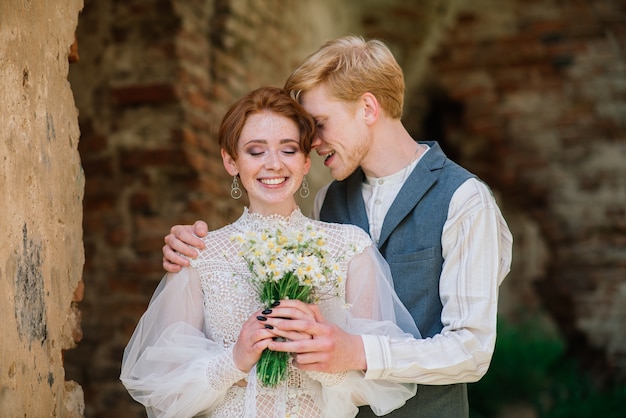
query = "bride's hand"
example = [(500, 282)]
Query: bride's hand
[(254, 337), (291, 310)]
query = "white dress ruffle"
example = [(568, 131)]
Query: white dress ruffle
[(178, 362)]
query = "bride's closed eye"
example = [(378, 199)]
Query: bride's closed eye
[(290, 151)]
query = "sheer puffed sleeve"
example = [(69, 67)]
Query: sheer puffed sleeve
[(169, 364), (372, 308)]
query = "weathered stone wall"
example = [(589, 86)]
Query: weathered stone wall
[(41, 188)]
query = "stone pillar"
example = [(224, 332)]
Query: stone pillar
[(41, 189)]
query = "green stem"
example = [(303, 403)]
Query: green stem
[(272, 366)]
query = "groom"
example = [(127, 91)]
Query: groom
[(436, 224)]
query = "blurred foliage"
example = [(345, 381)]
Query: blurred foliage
[(529, 368)]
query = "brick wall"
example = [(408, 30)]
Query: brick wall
[(536, 101), (154, 79)]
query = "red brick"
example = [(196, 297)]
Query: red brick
[(143, 94)]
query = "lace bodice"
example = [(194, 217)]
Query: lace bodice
[(225, 279), (179, 361)]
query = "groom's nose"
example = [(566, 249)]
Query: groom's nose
[(316, 142)]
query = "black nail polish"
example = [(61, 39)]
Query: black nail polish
[(261, 318), (268, 326), (267, 312), (275, 304)]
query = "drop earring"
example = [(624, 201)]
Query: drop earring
[(304, 188), (235, 191)]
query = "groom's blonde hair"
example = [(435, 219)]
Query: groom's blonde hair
[(349, 67)]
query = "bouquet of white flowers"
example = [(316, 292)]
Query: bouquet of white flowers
[(290, 264)]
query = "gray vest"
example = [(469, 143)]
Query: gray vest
[(410, 241)]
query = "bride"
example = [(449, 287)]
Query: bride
[(195, 350)]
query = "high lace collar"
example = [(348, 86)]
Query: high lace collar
[(252, 221)]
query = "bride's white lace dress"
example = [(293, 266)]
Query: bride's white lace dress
[(178, 363)]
